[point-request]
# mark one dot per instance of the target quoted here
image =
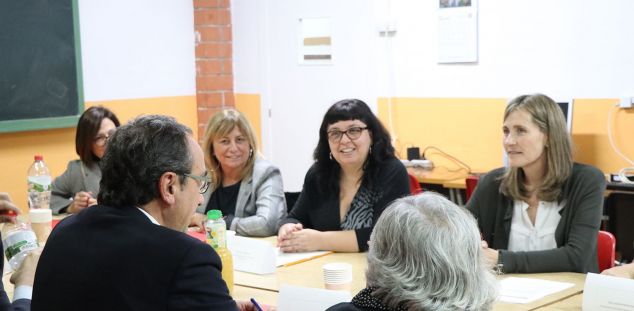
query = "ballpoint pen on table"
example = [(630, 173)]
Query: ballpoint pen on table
[(257, 306)]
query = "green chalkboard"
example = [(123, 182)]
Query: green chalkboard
[(40, 65)]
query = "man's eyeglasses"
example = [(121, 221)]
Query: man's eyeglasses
[(353, 133), (102, 140), (205, 181)]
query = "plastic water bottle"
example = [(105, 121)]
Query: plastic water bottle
[(216, 234), (39, 184), (17, 240)]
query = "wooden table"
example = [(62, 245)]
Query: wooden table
[(437, 175), (569, 304), (309, 274)]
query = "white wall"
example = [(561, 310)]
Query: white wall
[(137, 49), (298, 95), (564, 48)]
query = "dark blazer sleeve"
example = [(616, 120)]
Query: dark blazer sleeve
[(393, 181), (198, 284), (577, 243)]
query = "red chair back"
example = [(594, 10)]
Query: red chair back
[(414, 186), (471, 181), (605, 250)]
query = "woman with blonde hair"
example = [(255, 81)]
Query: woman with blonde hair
[(246, 188), (425, 254), (542, 212)]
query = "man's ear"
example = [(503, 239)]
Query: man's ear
[(167, 187)]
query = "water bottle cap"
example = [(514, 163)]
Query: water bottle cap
[(38, 157), (214, 214)]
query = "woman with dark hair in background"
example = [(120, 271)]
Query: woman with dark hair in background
[(78, 186), (542, 212), (354, 177)]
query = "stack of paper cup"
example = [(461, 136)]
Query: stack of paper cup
[(337, 276)]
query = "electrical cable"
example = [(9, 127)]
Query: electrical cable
[(623, 173), (448, 156)]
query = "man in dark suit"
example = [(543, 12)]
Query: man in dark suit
[(23, 277), (130, 252)]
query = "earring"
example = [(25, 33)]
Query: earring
[(370, 151), (250, 152), (330, 155)]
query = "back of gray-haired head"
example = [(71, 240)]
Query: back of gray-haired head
[(425, 254), (138, 154)]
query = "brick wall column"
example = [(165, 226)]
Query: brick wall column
[(214, 72)]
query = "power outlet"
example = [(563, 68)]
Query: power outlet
[(626, 102)]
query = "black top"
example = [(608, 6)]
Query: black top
[(225, 199), (364, 301), (319, 211)]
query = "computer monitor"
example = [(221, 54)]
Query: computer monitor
[(566, 108)]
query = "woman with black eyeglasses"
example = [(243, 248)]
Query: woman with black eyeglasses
[(78, 186), (354, 177)]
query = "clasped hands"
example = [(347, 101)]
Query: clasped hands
[(293, 238), (81, 200)]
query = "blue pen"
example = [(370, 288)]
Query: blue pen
[(257, 306)]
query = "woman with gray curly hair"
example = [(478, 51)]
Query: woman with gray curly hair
[(425, 254)]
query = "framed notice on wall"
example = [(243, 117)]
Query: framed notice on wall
[(457, 31), (315, 41)]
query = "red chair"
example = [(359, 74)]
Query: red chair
[(471, 181), (606, 245), (414, 186)]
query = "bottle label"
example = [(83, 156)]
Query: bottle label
[(39, 183), (215, 233), (18, 242)]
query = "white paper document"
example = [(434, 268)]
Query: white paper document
[(261, 257), (522, 290), (294, 298), (291, 258), (251, 255), (603, 292)]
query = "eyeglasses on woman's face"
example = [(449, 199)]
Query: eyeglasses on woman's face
[(102, 139), (334, 136), (204, 181)]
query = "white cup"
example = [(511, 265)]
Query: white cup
[(230, 237), (337, 276), (41, 223)]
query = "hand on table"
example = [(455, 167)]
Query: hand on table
[(8, 210), (624, 271), (81, 200), (490, 255), (286, 230), (244, 305), (304, 240), (25, 274)]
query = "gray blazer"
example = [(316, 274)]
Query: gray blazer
[(77, 177), (261, 204)]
